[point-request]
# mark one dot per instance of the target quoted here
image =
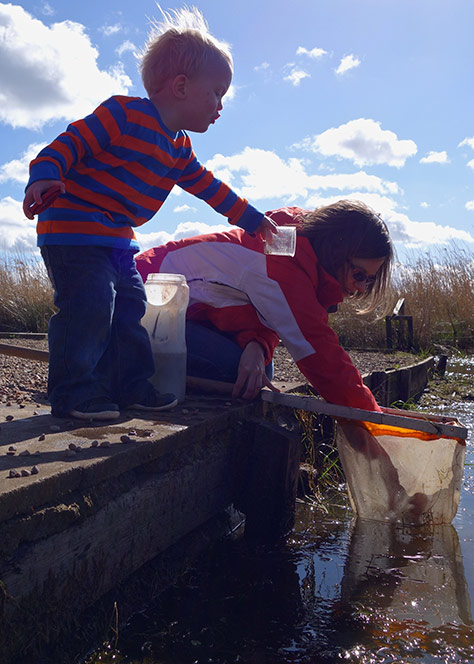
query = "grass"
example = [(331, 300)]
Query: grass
[(438, 289), (26, 295)]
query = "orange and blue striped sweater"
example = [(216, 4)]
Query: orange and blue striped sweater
[(119, 164)]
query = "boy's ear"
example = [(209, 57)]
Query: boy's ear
[(179, 86)]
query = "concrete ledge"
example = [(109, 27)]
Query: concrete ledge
[(88, 520)]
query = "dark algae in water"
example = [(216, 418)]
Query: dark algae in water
[(337, 591)]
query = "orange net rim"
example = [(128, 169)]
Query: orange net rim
[(402, 432)]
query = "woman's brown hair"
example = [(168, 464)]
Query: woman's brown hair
[(346, 230)]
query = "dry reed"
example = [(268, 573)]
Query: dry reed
[(438, 289), (26, 296)]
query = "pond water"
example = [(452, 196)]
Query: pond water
[(338, 590)]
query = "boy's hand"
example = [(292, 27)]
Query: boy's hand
[(266, 229), (35, 192)]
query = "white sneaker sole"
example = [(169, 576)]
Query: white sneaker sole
[(101, 415), (138, 406)]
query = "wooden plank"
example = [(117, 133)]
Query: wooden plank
[(26, 353), (441, 426)]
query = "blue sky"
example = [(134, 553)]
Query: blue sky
[(367, 99)]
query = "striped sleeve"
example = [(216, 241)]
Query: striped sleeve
[(200, 182), (83, 138)]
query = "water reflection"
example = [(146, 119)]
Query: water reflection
[(339, 590), (404, 589)]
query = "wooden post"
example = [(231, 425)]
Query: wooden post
[(270, 482), (388, 331)]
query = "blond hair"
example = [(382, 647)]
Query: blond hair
[(179, 44)]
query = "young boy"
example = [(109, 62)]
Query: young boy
[(114, 169)]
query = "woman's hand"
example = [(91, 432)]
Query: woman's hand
[(251, 376)]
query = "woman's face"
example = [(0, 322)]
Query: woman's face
[(358, 273)]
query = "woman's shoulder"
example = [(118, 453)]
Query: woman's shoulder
[(286, 216)]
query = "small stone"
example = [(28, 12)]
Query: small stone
[(132, 432), (22, 405), (25, 473), (54, 428), (25, 453), (9, 403), (42, 437), (13, 473), (72, 446), (12, 448), (37, 453), (95, 443), (35, 470), (105, 443), (10, 452), (126, 439), (9, 418)]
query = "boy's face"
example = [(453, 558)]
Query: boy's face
[(204, 94)]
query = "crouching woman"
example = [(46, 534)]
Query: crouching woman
[(243, 301)]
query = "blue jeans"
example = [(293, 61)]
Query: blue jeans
[(212, 354), (98, 348)]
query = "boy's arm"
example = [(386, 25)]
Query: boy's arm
[(200, 182), (82, 138)]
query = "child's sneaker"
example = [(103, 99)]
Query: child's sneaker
[(155, 401), (96, 410)]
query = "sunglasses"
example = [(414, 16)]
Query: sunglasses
[(360, 276)]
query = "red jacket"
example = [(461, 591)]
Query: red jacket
[(265, 298)]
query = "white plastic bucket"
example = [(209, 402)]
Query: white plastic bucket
[(165, 322)]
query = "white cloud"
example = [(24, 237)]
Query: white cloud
[(470, 164), (410, 233), (263, 175), (18, 234), (263, 67), (50, 72), (435, 158), (313, 53), (230, 94), (296, 76), (184, 208), (47, 10), (125, 47), (364, 142), (17, 169), (260, 174), (188, 229), (467, 141), (424, 204), (347, 62), (109, 30)]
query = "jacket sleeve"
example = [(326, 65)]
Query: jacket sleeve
[(200, 182), (267, 339), (291, 308)]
